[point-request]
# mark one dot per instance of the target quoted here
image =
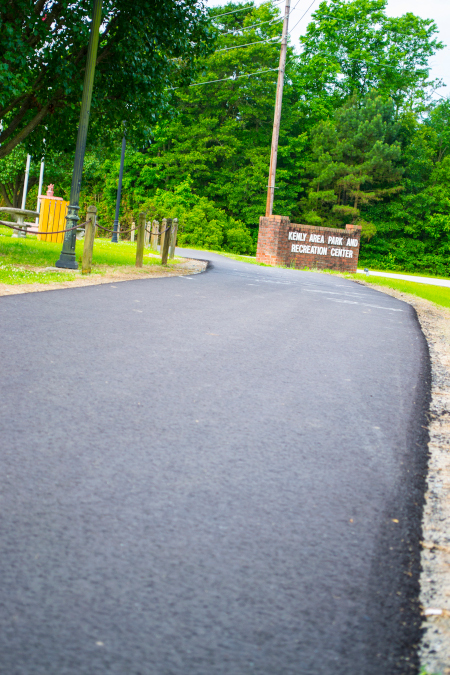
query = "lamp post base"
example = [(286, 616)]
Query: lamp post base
[(114, 238), (67, 261)]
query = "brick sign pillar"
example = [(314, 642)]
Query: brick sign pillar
[(281, 242)]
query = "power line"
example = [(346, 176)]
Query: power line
[(232, 77), (261, 23), (259, 42), (217, 16), (302, 17)]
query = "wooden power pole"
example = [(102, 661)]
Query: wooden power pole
[(277, 116)]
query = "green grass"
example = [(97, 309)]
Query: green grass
[(242, 258), (12, 275), (438, 294), (410, 274), (17, 253)]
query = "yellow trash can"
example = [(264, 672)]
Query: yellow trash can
[(52, 216)]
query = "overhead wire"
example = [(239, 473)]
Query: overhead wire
[(302, 17), (242, 9), (258, 42), (443, 97), (232, 77), (254, 25), (262, 23)]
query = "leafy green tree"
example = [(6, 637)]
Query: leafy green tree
[(354, 47), (355, 162), (413, 230), (12, 177), (201, 223), (145, 47), (221, 134)]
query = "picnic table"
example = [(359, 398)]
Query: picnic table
[(19, 215)]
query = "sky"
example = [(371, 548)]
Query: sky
[(439, 10)]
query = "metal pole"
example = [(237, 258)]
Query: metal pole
[(41, 181), (25, 183), (67, 257), (277, 115), (114, 238)]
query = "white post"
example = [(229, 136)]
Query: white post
[(133, 230), (41, 180), (25, 184)]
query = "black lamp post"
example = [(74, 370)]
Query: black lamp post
[(114, 238), (67, 258)]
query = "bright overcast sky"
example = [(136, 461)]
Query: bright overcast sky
[(439, 10)]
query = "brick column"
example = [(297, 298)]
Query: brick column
[(272, 238)]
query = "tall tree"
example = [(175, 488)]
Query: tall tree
[(145, 47), (413, 230), (353, 47), (355, 162), (221, 133)]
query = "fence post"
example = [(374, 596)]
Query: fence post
[(173, 238), (167, 224), (147, 235), (154, 239), (163, 234), (133, 228), (89, 235), (140, 240)]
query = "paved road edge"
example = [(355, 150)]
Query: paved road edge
[(434, 649)]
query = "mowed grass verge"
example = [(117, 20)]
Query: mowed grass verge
[(437, 294), (23, 261)]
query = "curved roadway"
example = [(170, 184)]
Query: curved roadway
[(220, 474)]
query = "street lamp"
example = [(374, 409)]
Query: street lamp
[(67, 258), (114, 238)]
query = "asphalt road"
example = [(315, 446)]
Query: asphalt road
[(216, 474)]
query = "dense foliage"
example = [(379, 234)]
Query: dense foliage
[(355, 162), (364, 137), (145, 46)]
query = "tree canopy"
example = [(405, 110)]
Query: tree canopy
[(356, 162), (146, 47), (362, 136), (354, 47)]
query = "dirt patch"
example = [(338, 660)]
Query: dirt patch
[(435, 556), (122, 273)]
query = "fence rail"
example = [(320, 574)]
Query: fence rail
[(54, 212)]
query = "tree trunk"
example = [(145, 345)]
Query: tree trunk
[(4, 194)]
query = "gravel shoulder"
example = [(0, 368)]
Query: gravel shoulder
[(435, 556), (122, 273)]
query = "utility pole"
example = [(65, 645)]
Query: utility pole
[(67, 257), (114, 238), (277, 116)]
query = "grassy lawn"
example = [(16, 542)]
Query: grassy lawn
[(20, 259), (437, 294)]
